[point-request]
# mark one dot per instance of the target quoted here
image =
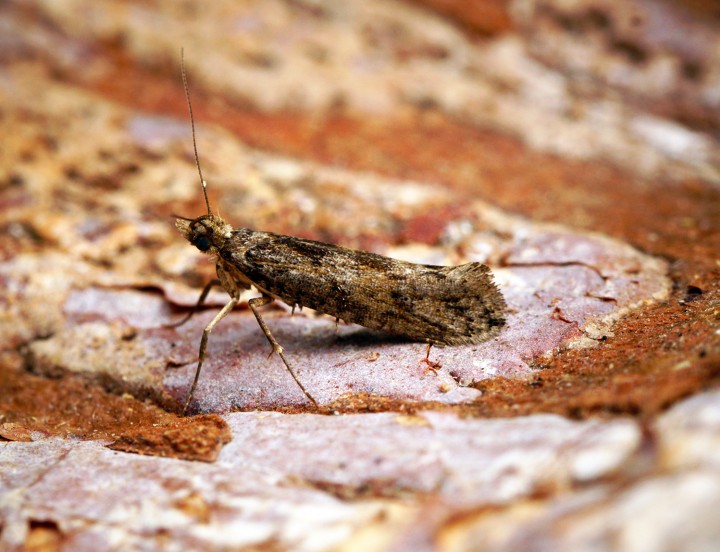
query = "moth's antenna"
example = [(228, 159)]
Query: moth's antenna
[(192, 124)]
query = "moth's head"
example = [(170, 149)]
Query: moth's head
[(207, 232)]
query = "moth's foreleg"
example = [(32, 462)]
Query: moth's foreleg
[(200, 302), (203, 344), (254, 304)]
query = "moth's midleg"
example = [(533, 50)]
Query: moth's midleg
[(200, 302), (203, 344), (254, 304)]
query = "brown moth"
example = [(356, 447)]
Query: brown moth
[(444, 305)]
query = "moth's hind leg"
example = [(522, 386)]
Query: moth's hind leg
[(431, 365), (256, 303)]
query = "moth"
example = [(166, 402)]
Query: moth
[(441, 305)]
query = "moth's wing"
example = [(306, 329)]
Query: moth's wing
[(449, 305)]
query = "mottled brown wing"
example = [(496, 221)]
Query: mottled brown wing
[(448, 305)]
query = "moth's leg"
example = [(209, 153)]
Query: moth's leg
[(200, 301), (203, 346), (431, 366), (254, 304)]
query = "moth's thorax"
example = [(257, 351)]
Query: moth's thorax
[(208, 232)]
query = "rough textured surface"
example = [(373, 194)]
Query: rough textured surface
[(144, 502), (300, 482), (570, 145)]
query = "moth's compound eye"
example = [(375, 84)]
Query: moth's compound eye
[(202, 242)]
